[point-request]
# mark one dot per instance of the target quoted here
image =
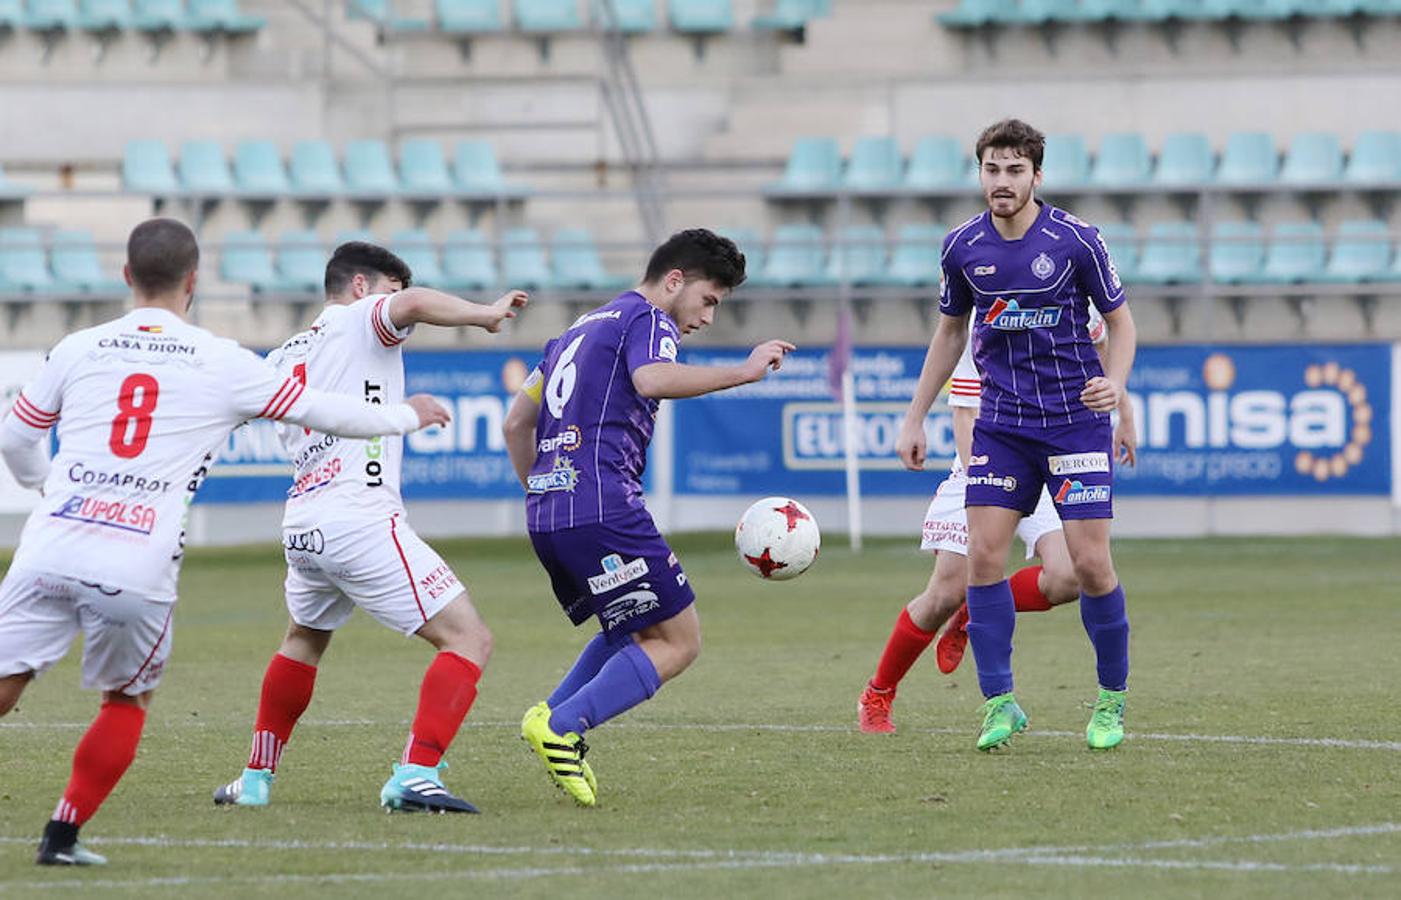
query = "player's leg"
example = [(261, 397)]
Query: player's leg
[(37, 625), (1103, 612), (11, 687), (992, 619), (1037, 588)]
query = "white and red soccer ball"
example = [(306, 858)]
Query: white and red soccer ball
[(777, 538)]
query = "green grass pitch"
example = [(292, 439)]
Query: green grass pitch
[(1262, 757)]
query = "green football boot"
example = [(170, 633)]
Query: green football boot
[(1002, 718), (1106, 728), (562, 754)]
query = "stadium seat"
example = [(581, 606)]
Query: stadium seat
[(461, 17), (349, 235), (1362, 252), (792, 15), (11, 15), (221, 17), (51, 15), (415, 247), (368, 169), (795, 257), (1185, 159), (701, 16), (476, 171), (631, 16), (23, 268), (1237, 252), (76, 267), (1249, 158), (814, 166), (859, 256), (204, 170), (146, 168), (1122, 241), (468, 263), (1066, 163), (1044, 12), (523, 262), (154, 16), (1295, 254), (1171, 254), (1313, 158), (1376, 157), (939, 162), (749, 243), (548, 16), (976, 13), (258, 170), (385, 14), (246, 259), (1123, 161), (314, 170), (575, 263), (301, 262), (1169, 10), (104, 15), (874, 166), (1108, 11), (423, 169), (8, 189), (1267, 10), (914, 259)]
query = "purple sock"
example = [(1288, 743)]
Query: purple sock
[(1107, 624), (625, 680), (595, 653), (992, 614)]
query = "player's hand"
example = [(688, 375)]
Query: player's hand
[(1100, 394), (430, 411), (504, 308), (911, 446), (766, 356), (1125, 442)]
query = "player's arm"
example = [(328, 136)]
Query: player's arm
[(1102, 394), (22, 446), (519, 427), (1125, 446), (674, 380), (421, 305), (944, 349)]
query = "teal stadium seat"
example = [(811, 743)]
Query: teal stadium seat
[(314, 171), (1066, 163), (1362, 252), (631, 16), (814, 166), (11, 15), (795, 257), (978, 13), (368, 169), (548, 16), (155, 16), (1296, 254), (258, 170), (1123, 161), (203, 169), (701, 16), (462, 17), (874, 166), (1109, 11), (914, 258), (468, 263), (76, 267), (23, 268), (476, 171), (146, 168), (221, 17), (1273, 10), (415, 247), (354, 235), (1376, 158), (104, 15), (8, 189), (51, 15), (749, 243), (1249, 158), (1185, 159), (1313, 158), (246, 259), (1122, 241), (939, 162), (1170, 10), (792, 15), (1045, 12), (1171, 254), (1237, 252), (859, 257), (523, 262), (575, 262), (423, 170), (301, 263), (385, 14)]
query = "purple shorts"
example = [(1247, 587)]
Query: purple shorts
[(1009, 465), (622, 571)]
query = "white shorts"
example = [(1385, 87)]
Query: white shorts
[(381, 567), (126, 637), (946, 522)]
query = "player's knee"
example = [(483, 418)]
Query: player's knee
[(11, 688), (1060, 585), (1095, 573)]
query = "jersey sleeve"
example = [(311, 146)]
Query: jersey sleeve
[(966, 386), (955, 297), (534, 386), (38, 404), (1098, 277), (1099, 332), (257, 389), (650, 338), (381, 327)]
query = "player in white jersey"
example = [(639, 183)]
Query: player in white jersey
[(347, 540), (945, 533), (140, 404)]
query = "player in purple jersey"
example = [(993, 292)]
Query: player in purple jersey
[(1027, 273), (577, 434)]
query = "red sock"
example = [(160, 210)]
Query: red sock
[(1025, 592), (907, 642), (449, 687), (101, 759), (287, 688)]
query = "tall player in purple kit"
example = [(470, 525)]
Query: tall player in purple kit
[(1028, 272), (577, 434)]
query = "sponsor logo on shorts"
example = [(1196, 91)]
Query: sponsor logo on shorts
[(563, 477), (81, 474), (1007, 482), (980, 460), (616, 573), (630, 606), (438, 582), (118, 514), (945, 532), (569, 440), (1073, 493), (680, 579), (1076, 463), (312, 541), (1007, 315)]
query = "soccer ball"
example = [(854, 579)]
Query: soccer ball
[(777, 538)]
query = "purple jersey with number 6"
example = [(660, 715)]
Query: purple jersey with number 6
[(594, 427)]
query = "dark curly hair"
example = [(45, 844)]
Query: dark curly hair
[(361, 258), (1015, 135), (698, 253)]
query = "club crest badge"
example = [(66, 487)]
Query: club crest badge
[(1043, 266)]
